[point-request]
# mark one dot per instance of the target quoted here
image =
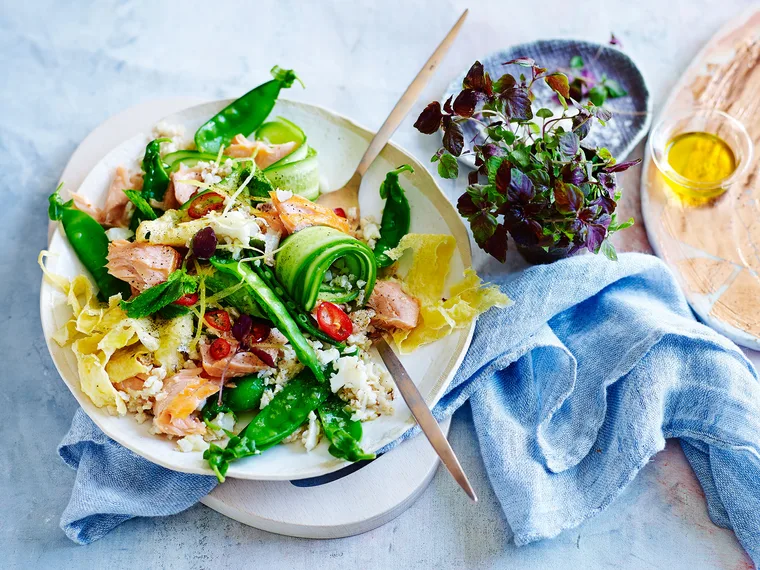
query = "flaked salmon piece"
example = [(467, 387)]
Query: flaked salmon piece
[(269, 214), (115, 212), (182, 190), (142, 265), (181, 396), (263, 154), (297, 213), (83, 204), (135, 383), (394, 309), (137, 180), (237, 363)]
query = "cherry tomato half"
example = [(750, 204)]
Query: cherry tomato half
[(219, 349), (218, 319), (204, 203), (187, 300), (334, 321)]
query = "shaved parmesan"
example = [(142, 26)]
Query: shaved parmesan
[(426, 279)]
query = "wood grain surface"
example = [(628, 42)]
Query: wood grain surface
[(713, 247)]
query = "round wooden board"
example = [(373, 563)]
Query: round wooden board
[(348, 502), (714, 249)]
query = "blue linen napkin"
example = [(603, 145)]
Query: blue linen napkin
[(573, 389)]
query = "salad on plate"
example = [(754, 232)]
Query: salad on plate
[(226, 307)]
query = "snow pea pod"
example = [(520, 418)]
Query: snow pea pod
[(244, 115), (396, 215), (245, 396), (343, 432), (275, 311), (155, 179), (282, 416), (90, 243), (219, 281)]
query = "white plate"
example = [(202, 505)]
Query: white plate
[(340, 143)]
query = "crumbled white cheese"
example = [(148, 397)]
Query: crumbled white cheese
[(310, 437), (119, 233), (349, 371), (224, 422), (193, 442), (283, 195), (325, 356), (266, 397), (176, 133), (370, 231), (268, 394), (365, 385), (237, 226)]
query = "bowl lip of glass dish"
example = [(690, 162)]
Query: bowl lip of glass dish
[(665, 126)]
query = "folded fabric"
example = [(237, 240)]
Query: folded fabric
[(573, 389), (114, 485)]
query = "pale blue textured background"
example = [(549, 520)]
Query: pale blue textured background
[(67, 66)]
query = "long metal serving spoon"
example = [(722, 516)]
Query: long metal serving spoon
[(348, 197)]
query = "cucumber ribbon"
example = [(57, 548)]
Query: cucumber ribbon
[(306, 256)]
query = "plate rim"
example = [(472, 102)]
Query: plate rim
[(97, 415)]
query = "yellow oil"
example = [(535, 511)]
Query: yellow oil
[(703, 159)]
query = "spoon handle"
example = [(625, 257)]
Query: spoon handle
[(408, 99), (424, 416)]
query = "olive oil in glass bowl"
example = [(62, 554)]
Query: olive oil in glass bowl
[(701, 153)]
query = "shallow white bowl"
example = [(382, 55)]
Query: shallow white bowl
[(340, 143)]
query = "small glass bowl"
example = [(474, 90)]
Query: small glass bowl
[(701, 120)]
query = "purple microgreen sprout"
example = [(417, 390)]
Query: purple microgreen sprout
[(535, 179)]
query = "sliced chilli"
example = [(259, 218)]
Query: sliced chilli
[(334, 321), (204, 203), (219, 320), (220, 348), (187, 300)]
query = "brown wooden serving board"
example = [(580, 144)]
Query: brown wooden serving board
[(714, 249)]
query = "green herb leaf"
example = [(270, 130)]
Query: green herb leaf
[(173, 311), (605, 155), (615, 227), (159, 296), (492, 167), (544, 113), (136, 197), (614, 90), (520, 156), (576, 62), (448, 166), (598, 95), (259, 186), (608, 250)]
